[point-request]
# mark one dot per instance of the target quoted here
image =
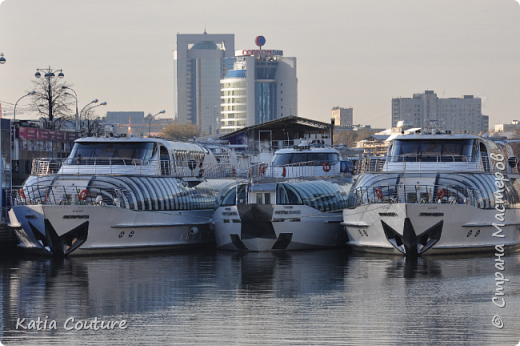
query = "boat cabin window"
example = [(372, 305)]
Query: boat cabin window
[(454, 150), (319, 157), (122, 151), (230, 197), (286, 194)]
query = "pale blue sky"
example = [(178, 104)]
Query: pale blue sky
[(351, 53)]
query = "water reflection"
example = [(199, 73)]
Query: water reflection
[(282, 273), (222, 298)]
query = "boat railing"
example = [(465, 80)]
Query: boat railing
[(66, 195), (416, 194), (115, 166), (434, 163), (295, 170), (41, 194)]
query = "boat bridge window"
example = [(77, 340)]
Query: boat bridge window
[(230, 197), (121, 151), (292, 158), (286, 194), (165, 161), (434, 150)]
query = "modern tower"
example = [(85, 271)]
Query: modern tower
[(198, 69), (260, 85)]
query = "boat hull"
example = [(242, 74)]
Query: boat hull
[(429, 229), (261, 227), (92, 229)]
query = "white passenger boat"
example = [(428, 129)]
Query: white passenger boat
[(119, 195), (436, 193), (292, 204)]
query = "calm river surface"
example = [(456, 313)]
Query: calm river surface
[(223, 298)]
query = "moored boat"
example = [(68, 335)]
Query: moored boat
[(115, 195), (292, 204), (436, 192)]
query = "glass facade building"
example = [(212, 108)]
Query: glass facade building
[(257, 89), (233, 95)]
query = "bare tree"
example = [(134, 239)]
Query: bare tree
[(350, 138), (92, 124), (51, 101), (180, 131)]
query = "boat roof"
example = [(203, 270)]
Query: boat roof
[(169, 144), (120, 139), (263, 187), (306, 149), (438, 136)]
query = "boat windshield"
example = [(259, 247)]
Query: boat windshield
[(119, 151), (293, 158), (230, 198), (458, 150)]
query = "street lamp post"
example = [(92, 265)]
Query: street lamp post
[(82, 109), (14, 110), (86, 115), (150, 122), (75, 97), (49, 73)]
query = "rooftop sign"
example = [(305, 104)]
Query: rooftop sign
[(259, 52)]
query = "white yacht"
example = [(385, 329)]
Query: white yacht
[(303, 161), (293, 204), (119, 195), (436, 192)]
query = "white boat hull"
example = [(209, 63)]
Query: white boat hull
[(276, 227), (452, 228), (93, 229)]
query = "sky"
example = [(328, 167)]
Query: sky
[(350, 53)]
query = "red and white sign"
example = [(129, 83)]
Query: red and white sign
[(47, 135), (258, 52)]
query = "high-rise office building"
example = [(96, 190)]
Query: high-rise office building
[(427, 110), (260, 85), (342, 116), (198, 69)]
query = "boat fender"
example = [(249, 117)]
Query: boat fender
[(326, 167), (194, 230), (83, 194), (379, 193), (442, 193), (22, 194), (284, 172)]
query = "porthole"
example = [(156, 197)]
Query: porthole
[(469, 233)]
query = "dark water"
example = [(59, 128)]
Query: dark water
[(297, 298)]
